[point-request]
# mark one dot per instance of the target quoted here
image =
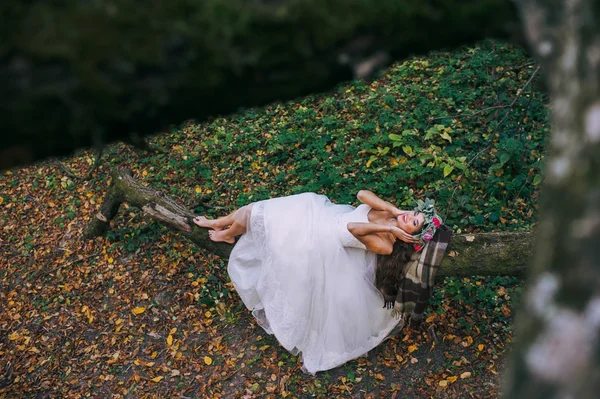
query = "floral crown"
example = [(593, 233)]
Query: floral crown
[(430, 224)]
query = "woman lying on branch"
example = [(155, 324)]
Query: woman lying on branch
[(306, 268)]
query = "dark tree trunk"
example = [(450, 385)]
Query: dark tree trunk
[(557, 351), (470, 254)]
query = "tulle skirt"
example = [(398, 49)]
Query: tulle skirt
[(315, 295)]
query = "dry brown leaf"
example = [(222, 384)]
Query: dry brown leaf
[(468, 341), (138, 310)]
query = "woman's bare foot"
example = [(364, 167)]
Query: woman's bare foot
[(204, 222), (220, 236)]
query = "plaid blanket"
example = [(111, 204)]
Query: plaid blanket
[(418, 275)]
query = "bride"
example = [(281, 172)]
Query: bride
[(305, 267)]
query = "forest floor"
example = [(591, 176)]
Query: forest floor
[(143, 313)]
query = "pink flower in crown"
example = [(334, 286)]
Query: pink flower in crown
[(436, 222), (417, 247), (427, 237)]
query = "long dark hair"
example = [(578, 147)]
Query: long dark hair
[(390, 271)]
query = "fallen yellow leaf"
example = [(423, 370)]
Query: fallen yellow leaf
[(480, 347), (443, 383), (170, 340), (379, 377), (466, 374), (157, 379), (207, 360), (138, 310), (412, 348), (468, 341), (452, 379), (198, 190)]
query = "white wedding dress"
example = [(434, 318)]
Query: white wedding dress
[(308, 281)]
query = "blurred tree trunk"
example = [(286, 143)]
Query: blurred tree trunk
[(557, 349)]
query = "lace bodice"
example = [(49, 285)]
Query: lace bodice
[(359, 214)]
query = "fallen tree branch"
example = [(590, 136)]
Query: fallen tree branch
[(88, 175), (470, 254)]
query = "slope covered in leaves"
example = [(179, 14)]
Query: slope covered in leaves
[(143, 313)]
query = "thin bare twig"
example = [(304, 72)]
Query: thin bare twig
[(487, 148), (88, 175), (462, 115)]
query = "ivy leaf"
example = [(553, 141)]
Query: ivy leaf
[(448, 169), (408, 150), (446, 136), (504, 157), (494, 216), (537, 180), (430, 133), (370, 161), (395, 137)]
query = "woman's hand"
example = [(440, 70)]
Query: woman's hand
[(396, 212), (403, 235)]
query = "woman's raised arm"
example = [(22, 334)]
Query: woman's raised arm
[(368, 234), (369, 198)]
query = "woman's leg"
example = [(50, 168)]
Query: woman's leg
[(229, 234), (238, 221), (215, 224)]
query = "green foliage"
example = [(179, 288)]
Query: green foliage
[(492, 299), (439, 127)]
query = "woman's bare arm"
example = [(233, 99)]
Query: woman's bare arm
[(369, 198), (369, 234)]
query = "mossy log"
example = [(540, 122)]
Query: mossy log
[(469, 254), (84, 73)]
